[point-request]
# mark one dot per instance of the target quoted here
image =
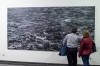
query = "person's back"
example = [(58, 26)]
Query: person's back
[(85, 48), (87, 43), (72, 41)]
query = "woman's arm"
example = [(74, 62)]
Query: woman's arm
[(81, 48)]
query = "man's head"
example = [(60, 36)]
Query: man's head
[(74, 30)]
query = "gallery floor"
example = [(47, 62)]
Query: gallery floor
[(31, 65), (14, 63)]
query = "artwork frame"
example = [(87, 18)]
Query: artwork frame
[(33, 28)]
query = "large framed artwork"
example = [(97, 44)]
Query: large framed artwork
[(44, 28)]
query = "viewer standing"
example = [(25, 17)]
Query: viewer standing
[(85, 48), (72, 40)]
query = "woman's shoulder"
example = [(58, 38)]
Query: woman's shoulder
[(86, 39)]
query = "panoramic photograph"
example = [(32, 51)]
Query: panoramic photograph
[(44, 28)]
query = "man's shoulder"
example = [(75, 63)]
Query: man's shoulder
[(69, 34)]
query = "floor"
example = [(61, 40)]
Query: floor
[(29, 65), (12, 63), (9, 65), (16, 63)]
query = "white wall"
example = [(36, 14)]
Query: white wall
[(44, 56)]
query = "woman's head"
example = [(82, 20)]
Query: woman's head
[(86, 33)]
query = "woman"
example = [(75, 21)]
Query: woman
[(85, 48)]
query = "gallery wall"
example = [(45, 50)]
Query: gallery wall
[(43, 56)]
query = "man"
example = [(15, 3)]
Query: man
[(72, 40)]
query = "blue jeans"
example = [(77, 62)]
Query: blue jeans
[(85, 59)]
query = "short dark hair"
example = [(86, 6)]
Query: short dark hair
[(74, 30)]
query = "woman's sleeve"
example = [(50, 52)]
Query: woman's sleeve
[(81, 47)]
